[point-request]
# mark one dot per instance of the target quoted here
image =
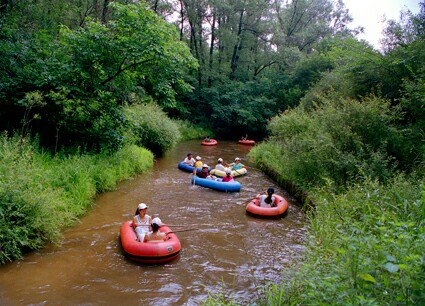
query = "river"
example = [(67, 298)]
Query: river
[(231, 252)]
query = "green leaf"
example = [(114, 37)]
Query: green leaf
[(367, 277)]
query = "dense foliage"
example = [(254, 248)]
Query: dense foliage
[(361, 161), (41, 194), (69, 87), (149, 127)]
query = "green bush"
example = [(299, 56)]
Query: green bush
[(41, 194), (189, 131), (342, 140), (150, 127), (366, 246)]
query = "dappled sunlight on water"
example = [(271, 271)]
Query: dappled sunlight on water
[(229, 252)]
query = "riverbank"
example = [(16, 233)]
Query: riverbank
[(362, 168), (41, 194), (366, 240)]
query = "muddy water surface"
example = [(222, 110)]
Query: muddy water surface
[(230, 252)]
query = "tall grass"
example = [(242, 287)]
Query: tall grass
[(366, 247), (190, 131), (150, 127), (41, 194)]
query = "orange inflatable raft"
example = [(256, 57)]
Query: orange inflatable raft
[(212, 142), (152, 252), (247, 142), (254, 208)]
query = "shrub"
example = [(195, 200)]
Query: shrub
[(189, 131), (342, 140), (366, 246), (150, 127)]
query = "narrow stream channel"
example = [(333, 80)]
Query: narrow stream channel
[(232, 252)]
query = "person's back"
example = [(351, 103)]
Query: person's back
[(267, 201), (227, 179), (155, 235)]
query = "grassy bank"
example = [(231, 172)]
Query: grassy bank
[(364, 173), (365, 246), (40, 194)]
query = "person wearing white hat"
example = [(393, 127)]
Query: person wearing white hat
[(155, 235), (237, 164), (141, 222), (198, 163), (220, 165)]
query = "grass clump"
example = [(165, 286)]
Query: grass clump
[(40, 194)]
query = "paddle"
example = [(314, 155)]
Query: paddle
[(186, 230)]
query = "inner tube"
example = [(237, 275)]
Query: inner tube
[(254, 208), (234, 173), (247, 142), (152, 252), (189, 168), (212, 142), (231, 186)]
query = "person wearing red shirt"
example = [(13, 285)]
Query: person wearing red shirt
[(228, 177)]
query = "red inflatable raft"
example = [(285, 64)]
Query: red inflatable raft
[(247, 142), (254, 208), (212, 142), (152, 252)]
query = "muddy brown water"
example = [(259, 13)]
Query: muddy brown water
[(231, 253)]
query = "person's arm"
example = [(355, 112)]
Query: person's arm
[(135, 223)]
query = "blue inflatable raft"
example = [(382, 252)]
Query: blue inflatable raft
[(188, 168), (231, 186)]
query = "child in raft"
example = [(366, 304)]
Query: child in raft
[(155, 235), (267, 201), (228, 177), (141, 222)]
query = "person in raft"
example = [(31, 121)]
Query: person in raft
[(205, 173), (189, 160), (244, 138), (155, 235), (207, 139), (237, 165), (228, 177), (220, 165), (267, 199), (141, 222)]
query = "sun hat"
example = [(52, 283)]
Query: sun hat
[(142, 206), (228, 171), (220, 160), (157, 221), (237, 158), (198, 158), (204, 166)]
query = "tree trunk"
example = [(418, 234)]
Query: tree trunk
[(181, 20), (236, 48), (211, 49), (105, 11)]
